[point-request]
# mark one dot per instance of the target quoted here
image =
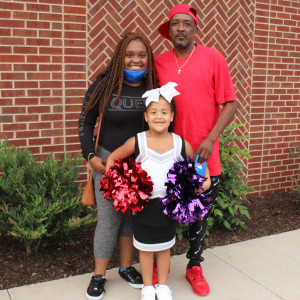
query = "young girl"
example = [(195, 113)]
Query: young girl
[(157, 149)]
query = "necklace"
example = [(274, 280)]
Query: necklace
[(179, 68)]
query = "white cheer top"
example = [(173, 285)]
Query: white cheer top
[(157, 165)]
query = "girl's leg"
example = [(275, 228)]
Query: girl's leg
[(146, 262), (163, 265), (126, 251)]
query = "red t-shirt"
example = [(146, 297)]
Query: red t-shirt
[(204, 84)]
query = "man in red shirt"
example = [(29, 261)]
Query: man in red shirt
[(204, 84)]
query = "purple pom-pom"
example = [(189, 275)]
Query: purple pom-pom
[(182, 203)]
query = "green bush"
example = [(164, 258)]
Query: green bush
[(39, 200), (234, 189), (296, 181)]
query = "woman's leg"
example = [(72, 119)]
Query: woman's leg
[(146, 262), (163, 266), (101, 265), (126, 251), (108, 224)]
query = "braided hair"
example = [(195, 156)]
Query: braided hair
[(113, 75)]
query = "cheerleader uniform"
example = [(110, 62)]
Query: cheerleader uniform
[(152, 229)]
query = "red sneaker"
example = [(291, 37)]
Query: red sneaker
[(154, 276), (196, 279)]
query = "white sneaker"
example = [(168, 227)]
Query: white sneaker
[(148, 293), (163, 292)]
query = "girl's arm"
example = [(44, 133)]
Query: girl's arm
[(207, 183), (127, 149), (190, 153)]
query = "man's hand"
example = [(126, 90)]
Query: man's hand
[(204, 150), (226, 116), (98, 164)]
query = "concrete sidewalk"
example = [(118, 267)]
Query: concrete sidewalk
[(266, 268)]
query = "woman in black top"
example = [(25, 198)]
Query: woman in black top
[(117, 93)]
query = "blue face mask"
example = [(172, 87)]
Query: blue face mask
[(134, 76)]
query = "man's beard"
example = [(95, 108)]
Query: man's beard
[(182, 44)]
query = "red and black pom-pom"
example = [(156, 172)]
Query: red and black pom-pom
[(128, 184)]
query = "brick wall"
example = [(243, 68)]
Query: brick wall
[(43, 73), (275, 99), (51, 50)]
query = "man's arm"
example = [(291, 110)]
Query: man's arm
[(226, 116)]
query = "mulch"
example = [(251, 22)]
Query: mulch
[(270, 214)]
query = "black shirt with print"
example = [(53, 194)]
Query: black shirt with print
[(121, 121)]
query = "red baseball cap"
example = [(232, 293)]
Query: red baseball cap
[(163, 29)]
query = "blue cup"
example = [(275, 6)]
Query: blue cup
[(200, 168)]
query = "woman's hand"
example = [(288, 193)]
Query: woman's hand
[(98, 164)]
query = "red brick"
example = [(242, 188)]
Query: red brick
[(57, 59), (24, 15), (75, 10), (38, 58), (5, 14), (50, 50), (26, 84), (6, 119), (57, 92), (51, 133), (39, 141), (38, 109), (40, 125), (51, 117), (25, 50), (14, 127), (12, 58), (50, 68), (50, 17), (75, 43), (7, 135), (50, 149), (38, 7), (38, 42), (12, 93), (26, 101), (27, 134), (75, 19), (13, 76), (58, 125), (12, 6), (12, 23), (57, 76), (38, 76), (75, 35), (38, 25), (50, 34), (75, 51), (51, 84), (5, 32), (27, 118), (33, 93)]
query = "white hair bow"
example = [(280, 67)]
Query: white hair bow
[(168, 91)]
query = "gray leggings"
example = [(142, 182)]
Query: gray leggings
[(110, 223)]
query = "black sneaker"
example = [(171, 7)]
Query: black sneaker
[(133, 277), (95, 291)]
